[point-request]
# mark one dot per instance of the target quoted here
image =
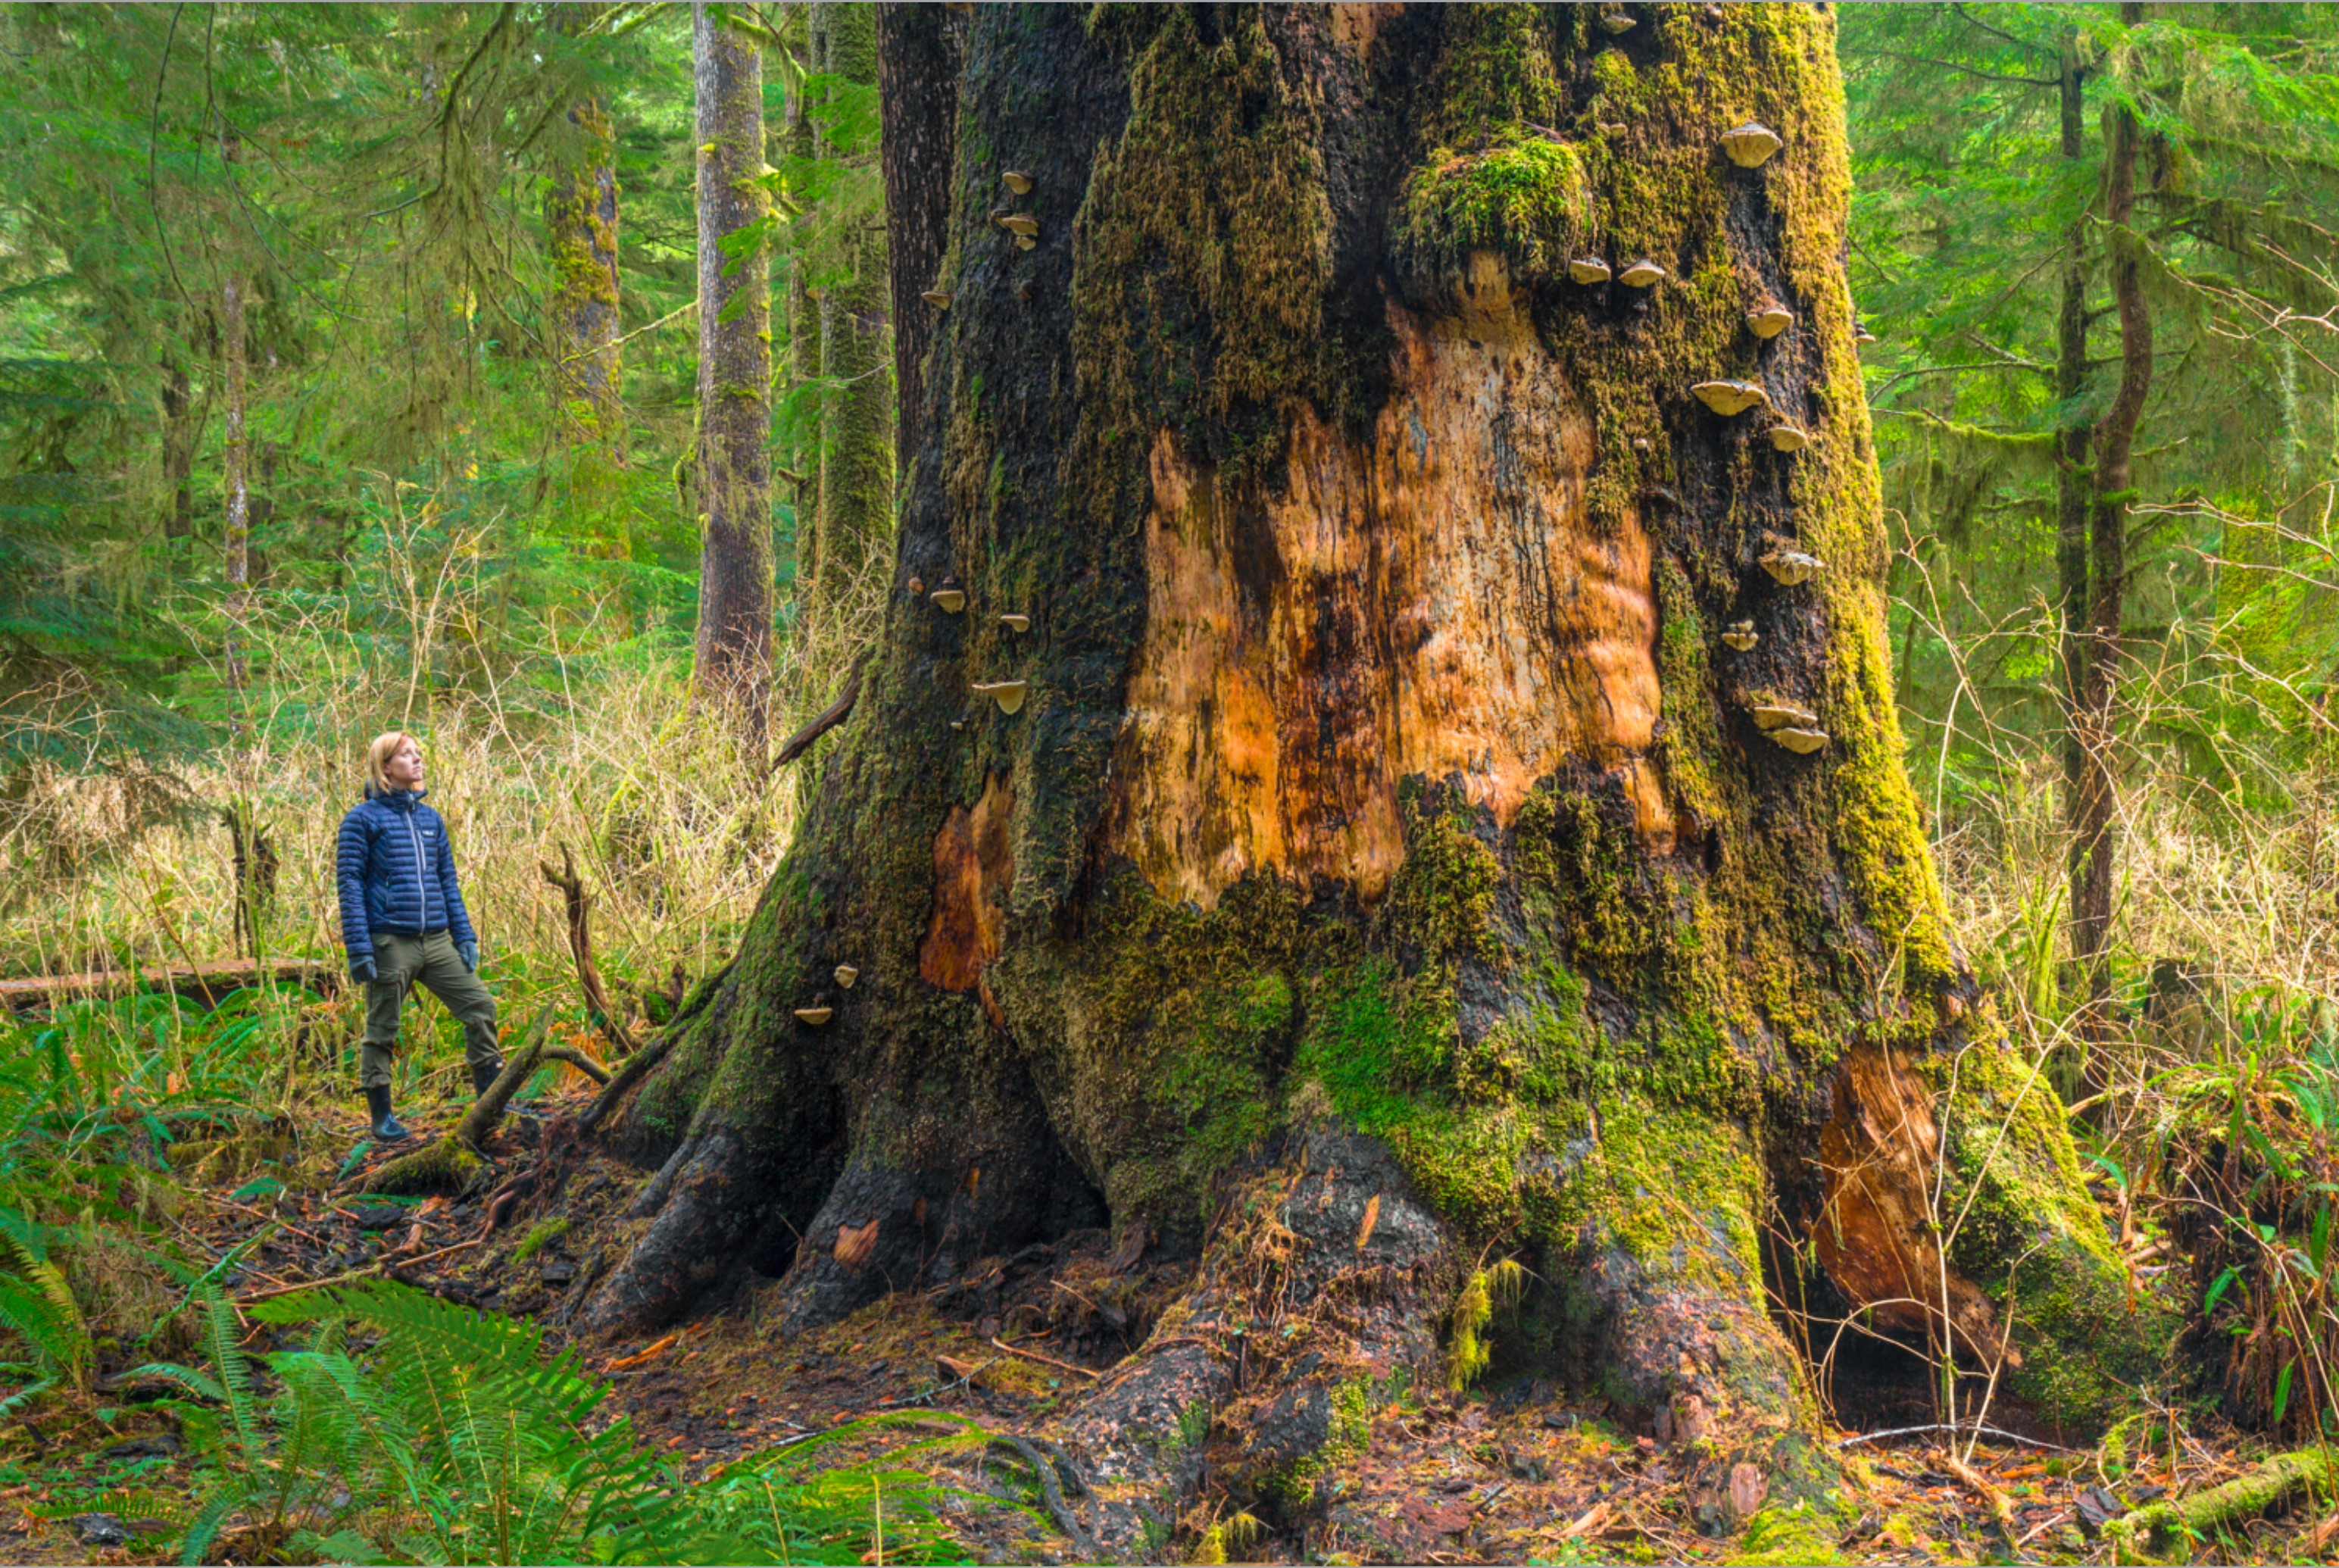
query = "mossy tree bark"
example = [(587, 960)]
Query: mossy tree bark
[(580, 226), (853, 522), (1386, 857), (735, 382)]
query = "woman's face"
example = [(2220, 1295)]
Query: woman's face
[(404, 768)]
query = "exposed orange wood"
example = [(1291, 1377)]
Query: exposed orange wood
[(1435, 602)]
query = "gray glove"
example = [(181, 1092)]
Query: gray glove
[(362, 968), (470, 951)]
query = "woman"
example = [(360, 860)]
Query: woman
[(402, 919)]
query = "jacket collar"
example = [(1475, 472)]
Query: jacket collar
[(400, 799)]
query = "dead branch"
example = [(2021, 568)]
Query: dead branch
[(628, 1074), (829, 717), (578, 1060), (579, 906)]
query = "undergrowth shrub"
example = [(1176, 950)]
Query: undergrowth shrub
[(407, 1429)]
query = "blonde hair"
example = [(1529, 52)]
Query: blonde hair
[(384, 748)]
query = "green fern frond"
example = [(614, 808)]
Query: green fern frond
[(39, 1308), (24, 1397)]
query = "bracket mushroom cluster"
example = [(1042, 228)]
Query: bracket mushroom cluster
[(1022, 225), (1792, 568), (1791, 725), (1731, 399)]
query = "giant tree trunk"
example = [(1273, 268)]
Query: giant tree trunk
[(853, 521), (735, 382), (1391, 855)]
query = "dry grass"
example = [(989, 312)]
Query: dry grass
[(573, 729)]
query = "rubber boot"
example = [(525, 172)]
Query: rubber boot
[(385, 1127)]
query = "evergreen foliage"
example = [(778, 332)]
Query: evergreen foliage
[(1964, 213)]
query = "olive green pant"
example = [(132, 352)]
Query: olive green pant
[(398, 963)]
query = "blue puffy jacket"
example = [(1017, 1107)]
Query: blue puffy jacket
[(396, 873)]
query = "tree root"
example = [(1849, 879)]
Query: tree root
[(1049, 1493), (452, 1163), (2276, 1482), (630, 1072)]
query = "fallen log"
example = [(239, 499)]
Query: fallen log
[(2179, 1521), (204, 983)]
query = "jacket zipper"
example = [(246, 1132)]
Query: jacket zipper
[(421, 887)]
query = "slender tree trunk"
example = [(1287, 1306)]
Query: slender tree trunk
[(180, 431), (2095, 843), (2072, 483), (854, 523), (581, 223), (1333, 842), (803, 350), (236, 480), (734, 379)]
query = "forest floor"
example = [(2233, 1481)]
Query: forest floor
[(1505, 1473)]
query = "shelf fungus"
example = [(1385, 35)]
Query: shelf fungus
[(937, 299), (1008, 694), (1016, 622), (1776, 715), (1798, 740), (1588, 270), (1789, 437), (1769, 319), (1024, 241), (950, 600), (1617, 22), (1020, 223), (1792, 567), (1859, 332), (1018, 181), (846, 975), (1640, 275), (818, 1013), (1750, 145), (1730, 399), (1741, 636)]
